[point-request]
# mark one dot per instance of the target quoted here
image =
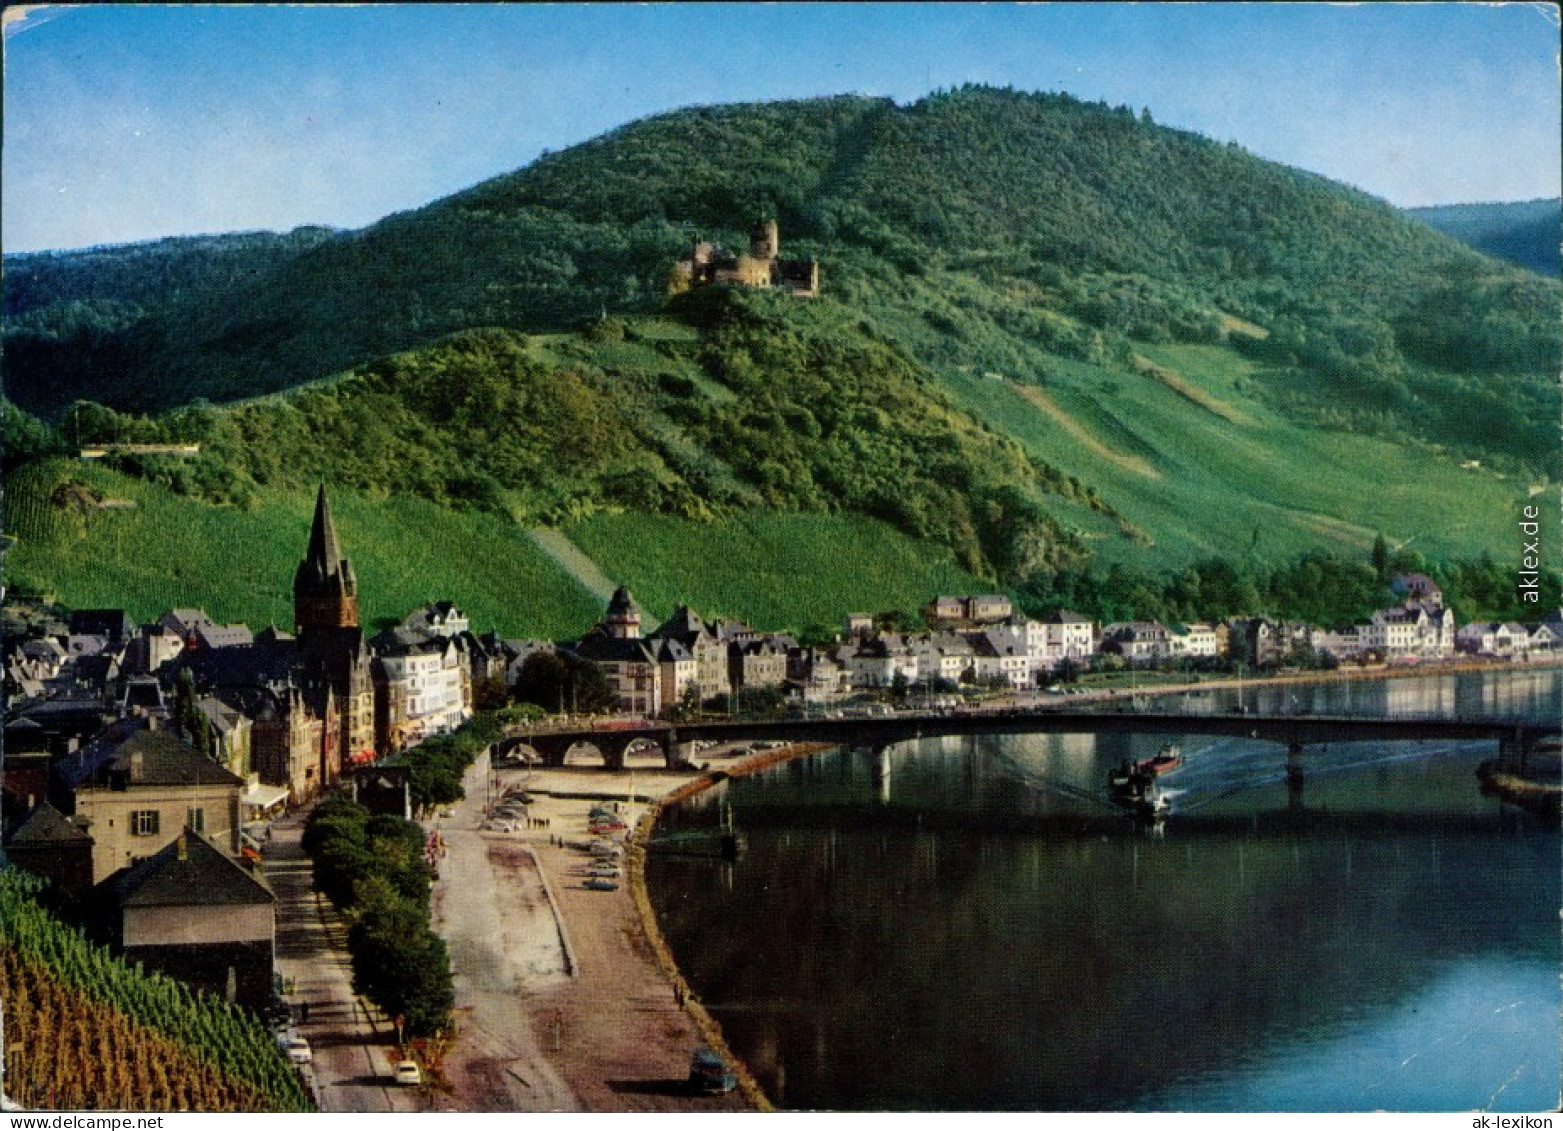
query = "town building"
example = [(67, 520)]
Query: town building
[(1196, 641), (331, 646), (133, 788), (708, 651), (52, 847), (195, 913), (628, 662), (1140, 641), (1069, 636), (422, 687), (966, 612)]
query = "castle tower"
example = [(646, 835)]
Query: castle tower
[(764, 240), (325, 592), (622, 621)]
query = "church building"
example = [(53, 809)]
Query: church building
[(333, 654)]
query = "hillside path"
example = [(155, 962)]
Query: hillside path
[(574, 561)]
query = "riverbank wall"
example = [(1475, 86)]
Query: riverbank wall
[(710, 1030)]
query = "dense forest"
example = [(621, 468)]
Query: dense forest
[(1107, 224)]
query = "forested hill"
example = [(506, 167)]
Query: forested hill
[(1050, 334), (1081, 209), (1528, 232)]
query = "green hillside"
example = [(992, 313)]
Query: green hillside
[(775, 569), (1528, 232), (1051, 334)]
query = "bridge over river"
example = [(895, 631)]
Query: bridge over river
[(612, 739)]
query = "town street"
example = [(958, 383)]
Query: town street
[(351, 1070)]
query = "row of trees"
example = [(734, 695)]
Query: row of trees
[(374, 869)]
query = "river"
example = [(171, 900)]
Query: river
[(969, 924)]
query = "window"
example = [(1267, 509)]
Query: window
[(196, 819), (143, 822)]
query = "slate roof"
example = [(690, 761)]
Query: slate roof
[(224, 635), (261, 664), (671, 650), (324, 569), (684, 626), (621, 604), (47, 825), (1065, 616), (600, 648), (128, 752), (184, 621), (205, 876)]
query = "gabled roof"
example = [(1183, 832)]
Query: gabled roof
[(47, 825), (670, 650), (128, 752), (684, 625), (184, 621), (190, 872), (1065, 616), (224, 635)]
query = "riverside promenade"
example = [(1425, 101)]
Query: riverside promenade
[(561, 1003)]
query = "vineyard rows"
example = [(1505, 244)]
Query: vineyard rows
[(85, 1030)]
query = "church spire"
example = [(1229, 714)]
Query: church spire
[(325, 592), (324, 557)]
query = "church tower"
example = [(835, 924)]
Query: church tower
[(325, 592), (332, 651)]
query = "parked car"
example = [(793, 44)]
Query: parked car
[(709, 1074), (298, 1050), (408, 1074)]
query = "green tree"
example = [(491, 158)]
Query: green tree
[(398, 963)]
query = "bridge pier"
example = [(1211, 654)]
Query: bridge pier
[(676, 753), (1294, 771)]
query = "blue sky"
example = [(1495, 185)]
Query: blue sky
[(133, 122)]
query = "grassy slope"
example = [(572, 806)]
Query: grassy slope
[(168, 551), (776, 570), (1217, 482)]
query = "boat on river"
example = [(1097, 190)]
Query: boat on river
[(1170, 758)]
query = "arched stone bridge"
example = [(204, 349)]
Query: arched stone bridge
[(612, 739)]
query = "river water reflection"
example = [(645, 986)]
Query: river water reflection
[(969, 924)]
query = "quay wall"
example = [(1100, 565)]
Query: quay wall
[(710, 1030)]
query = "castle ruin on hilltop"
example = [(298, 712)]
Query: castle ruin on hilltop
[(761, 268)]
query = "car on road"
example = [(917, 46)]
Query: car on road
[(298, 1050), (709, 1074), (408, 1074), (598, 884)]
